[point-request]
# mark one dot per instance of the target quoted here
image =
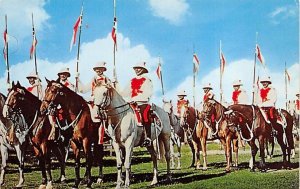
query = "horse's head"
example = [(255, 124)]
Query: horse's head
[(14, 100), (167, 106), (102, 96), (54, 94)]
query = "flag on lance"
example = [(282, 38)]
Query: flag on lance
[(158, 71), (223, 62), (259, 55), (75, 29), (5, 46), (33, 45), (287, 76), (196, 63), (114, 32)]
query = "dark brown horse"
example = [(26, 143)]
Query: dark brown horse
[(220, 127), (24, 104), (252, 125), (78, 120)]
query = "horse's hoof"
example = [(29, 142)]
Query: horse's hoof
[(192, 166), (227, 170), (154, 182), (252, 170), (179, 167), (263, 170), (268, 157), (204, 169), (42, 186), (99, 181), (49, 185)]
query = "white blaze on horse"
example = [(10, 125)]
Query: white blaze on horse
[(125, 133)]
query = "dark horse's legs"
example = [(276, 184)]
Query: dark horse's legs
[(76, 151), (59, 151), (254, 150), (262, 163), (98, 155)]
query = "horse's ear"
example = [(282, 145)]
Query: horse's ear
[(18, 84), (47, 80), (170, 101), (13, 83), (212, 101)]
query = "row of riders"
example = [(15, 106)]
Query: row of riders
[(69, 114)]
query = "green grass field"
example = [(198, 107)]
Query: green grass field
[(214, 177)]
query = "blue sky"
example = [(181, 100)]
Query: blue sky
[(147, 29)]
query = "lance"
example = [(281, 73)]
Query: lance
[(285, 82), (6, 51), (221, 73), (34, 43), (254, 70), (78, 48), (115, 44)]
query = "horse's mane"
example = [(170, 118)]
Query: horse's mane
[(70, 92), (31, 97)]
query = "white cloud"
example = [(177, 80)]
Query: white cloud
[(171, 10), (282, 13), (19, 16)]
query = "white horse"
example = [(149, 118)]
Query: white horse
[(177, 134), (125, 133), (13, 133)]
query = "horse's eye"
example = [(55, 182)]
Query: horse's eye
[(61, 93)]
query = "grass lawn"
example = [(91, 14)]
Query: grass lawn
[(214, 177)]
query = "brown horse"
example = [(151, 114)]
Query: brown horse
[(23, 103), (252, 125), (188, 121), (78, 121), (225, 132)]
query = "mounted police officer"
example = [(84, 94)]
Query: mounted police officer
[(98, 79), (267, 98), (63, 76), (182, 102), (239, 95), (140, 91), (208, 94), (36, 86)]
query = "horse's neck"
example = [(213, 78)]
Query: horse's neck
[(74, 104), (117, 99), (220, 109)]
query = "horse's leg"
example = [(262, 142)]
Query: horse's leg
[(254, 150), (88, 156), (20, 154), (172, 154), (282, 146), (236, 151), (165, 139), (59, 152), (76, 151), (197, 150), (193, 152), (178, 153), (119, 163), (46, 155), (154, 160), (98, 154), (4, 157), (228, 153), (261, 141)]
